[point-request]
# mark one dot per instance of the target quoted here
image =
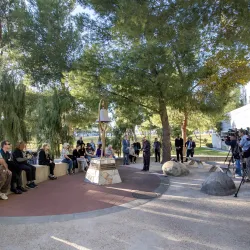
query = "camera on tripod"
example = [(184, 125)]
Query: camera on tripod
[(231, 134)]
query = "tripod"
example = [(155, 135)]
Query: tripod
[(231, 160), (243, 179)]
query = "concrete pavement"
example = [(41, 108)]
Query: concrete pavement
[(182, 218)]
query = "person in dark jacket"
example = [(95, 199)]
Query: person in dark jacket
[(44, 159), (76, 155), (190, 145), (18, 158), (80, 142), (179, 148), (16, 180), (157, 148), (146, 154)]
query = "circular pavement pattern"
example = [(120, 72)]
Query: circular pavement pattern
[(71, 195)]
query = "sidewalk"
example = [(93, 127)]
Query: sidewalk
[(182, 218)]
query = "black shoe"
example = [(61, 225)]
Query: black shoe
[(29, 186), (143, 170), (16, 191), (22, 189), (34, 184)]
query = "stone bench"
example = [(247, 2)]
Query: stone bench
[(42, 172)]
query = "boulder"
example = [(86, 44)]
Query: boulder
[(219, 184), (175, 169)]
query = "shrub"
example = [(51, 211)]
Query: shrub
[(209, 145)]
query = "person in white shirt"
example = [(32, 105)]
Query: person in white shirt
[(65, 157)]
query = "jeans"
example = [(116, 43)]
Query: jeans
[(238, 167), (190, 152), (69, 162), (125, 159)]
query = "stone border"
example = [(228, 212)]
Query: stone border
[(162, 188)]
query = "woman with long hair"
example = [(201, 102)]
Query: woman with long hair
[(45, 159)]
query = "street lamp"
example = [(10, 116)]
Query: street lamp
[(103, 120)]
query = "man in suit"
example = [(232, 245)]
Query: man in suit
[(80, 142), (179, 148), (190, 145), (146, 154), (157, 148), (125, 150)]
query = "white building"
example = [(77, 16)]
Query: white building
[(238, 118)]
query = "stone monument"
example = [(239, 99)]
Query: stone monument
[(102, 171)]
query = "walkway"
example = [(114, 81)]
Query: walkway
[(182, 218)]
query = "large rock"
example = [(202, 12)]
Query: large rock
[(219, 184), (174, 168)]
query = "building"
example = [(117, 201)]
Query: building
[(238, 118)]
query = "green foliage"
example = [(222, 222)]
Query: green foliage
[(209, 145), (12, 102)]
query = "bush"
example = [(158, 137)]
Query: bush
[(209, 145), (205, 140)]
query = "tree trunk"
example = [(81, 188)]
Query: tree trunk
[(166, 141), (184, 130)]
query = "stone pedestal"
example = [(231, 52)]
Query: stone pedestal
[(102, 172)]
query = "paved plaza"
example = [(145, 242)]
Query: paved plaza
[(71, 214)]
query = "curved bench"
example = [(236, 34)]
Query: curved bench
[(42, 172)]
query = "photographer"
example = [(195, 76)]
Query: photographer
[(245, 145)]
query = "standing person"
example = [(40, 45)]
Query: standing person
[(16, 180), (93, 145), (179, 148), (5, 179), (190, 145), (157, 148), (244, 143), (132, 156), (18, 158), (80, 142), (45, 159), (146, 154), (65, 157), (125, 150), (137, 148)]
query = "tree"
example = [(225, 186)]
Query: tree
[(12, 104)]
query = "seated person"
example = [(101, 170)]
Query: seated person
[(99, 151), (89, 153), (76, 155), (44, 159), (65, 156), (5, 179), (22, 163), (109, 152), (16, 180), (79, 154)]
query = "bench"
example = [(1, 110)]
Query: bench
[(42, 172)]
